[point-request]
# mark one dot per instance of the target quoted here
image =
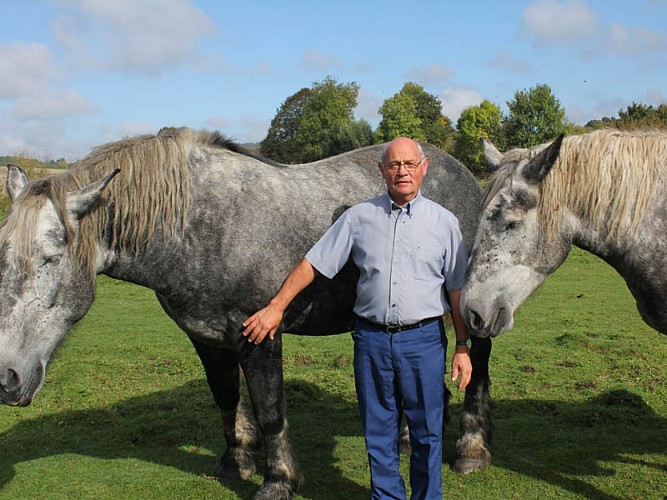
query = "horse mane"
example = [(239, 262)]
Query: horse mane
[(607, 177), (150, 194)]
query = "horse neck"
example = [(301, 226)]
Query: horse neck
[(592, 236)]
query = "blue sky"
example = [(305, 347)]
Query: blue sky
[(78, 73)]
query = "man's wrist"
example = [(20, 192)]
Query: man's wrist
[(463, 343)]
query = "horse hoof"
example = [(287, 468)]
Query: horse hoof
[(274, 491), (236, 466), (468, 465)]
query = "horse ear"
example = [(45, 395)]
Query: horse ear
[(81, 202), (492, 156), (16, 181), (538, 168)]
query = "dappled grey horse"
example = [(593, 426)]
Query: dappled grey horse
[(605, 192), (213, 230)]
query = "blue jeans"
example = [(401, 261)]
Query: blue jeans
[(402, 374)]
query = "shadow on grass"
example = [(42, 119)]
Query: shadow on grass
[(171, 428), (566, 443), (561, 443)]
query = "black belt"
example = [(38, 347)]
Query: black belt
[(399, 328)]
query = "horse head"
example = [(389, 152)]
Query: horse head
[(44, 290), (512, 254)]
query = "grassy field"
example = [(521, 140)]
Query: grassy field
[(580, 392)]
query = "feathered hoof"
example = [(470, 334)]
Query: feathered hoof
[(467, 465), (404, 441), (274, 491), (239, 465)]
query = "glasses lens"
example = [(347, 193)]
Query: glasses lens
[(410, 166)]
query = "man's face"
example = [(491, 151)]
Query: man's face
[(403, 170)]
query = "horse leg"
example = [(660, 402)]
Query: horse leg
[(263, 369), (222, 372), (472, 452)]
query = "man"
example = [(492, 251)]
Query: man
[(411, 259)]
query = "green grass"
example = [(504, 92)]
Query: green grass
[(579, 385)]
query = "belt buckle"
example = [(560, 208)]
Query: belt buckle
[(394, 328)]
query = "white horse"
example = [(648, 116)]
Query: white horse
[(605, 192)]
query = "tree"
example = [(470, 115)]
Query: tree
[(399, 118), (280, 141), (475, 123), (642, 116), (633, 117), (353, 135), (316, 123), (535, 116), (414, 113), (329, 110)]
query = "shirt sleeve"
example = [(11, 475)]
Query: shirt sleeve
[(333, 249)]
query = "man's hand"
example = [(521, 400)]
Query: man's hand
[(267, 321), (263, 322), (462, 366)]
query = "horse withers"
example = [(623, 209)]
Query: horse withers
[(213, 230), (603, 191)]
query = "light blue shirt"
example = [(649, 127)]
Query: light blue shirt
[(406, 256)]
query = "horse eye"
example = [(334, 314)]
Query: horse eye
[(52, 259), (512, 225)]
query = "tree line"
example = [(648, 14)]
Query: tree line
[(318, 122)]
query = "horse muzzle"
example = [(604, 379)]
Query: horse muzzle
[(488, 322), (19, 390)]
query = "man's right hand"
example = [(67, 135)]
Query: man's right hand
[(264, 322)]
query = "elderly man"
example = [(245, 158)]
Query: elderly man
[(412, 260)]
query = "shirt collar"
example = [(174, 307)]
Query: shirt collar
[(409, 207)]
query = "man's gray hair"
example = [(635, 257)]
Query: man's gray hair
[(383, 158)]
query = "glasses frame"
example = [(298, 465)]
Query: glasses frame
[(410, 166)]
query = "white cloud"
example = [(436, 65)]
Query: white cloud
[(631, 41), (574, 23), (550, 20), (51, 104), (456, 99), (25, 68), (149, 36)]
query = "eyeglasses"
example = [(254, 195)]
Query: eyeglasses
[(410, 165)]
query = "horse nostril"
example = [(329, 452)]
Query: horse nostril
[(9, 380), (475, 320)]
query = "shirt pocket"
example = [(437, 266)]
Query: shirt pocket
[(427, 262)]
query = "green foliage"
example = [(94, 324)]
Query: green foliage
[(414, 113), (635, 116), (352, 135), (399, 118), (280, 142), (535, 116), (316, 123), (475, 123)]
